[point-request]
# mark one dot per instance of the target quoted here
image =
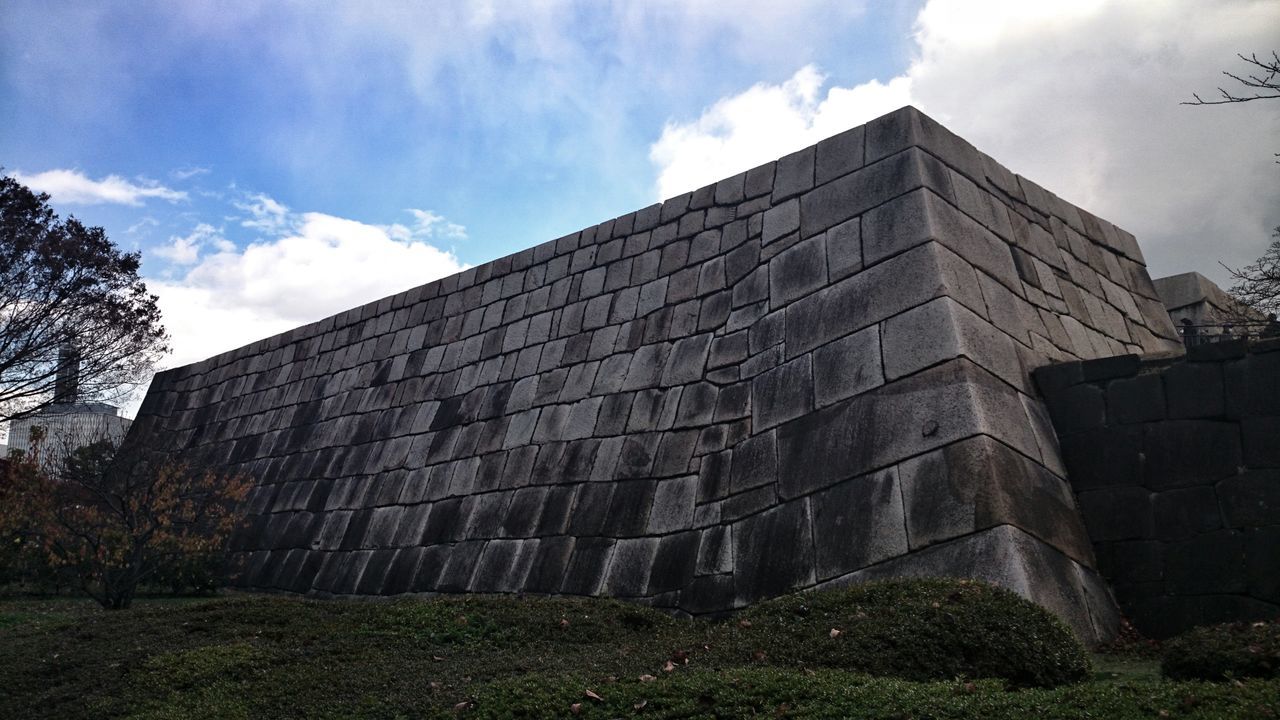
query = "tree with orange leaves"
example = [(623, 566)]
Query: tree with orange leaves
[(113, 522)]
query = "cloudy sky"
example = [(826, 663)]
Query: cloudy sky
[(278, 162)]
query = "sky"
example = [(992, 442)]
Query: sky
[(278, 162)]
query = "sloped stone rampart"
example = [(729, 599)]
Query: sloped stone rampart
[(1175, 462), (810, 373)]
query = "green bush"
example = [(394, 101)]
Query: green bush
[(1220, 652), (932, 629)]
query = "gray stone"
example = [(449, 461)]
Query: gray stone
[(761, 571), (781, 220), (880, 292), (844, 249), (794, 175), (848, 366), (1251, 499), (916, 414), (687, 361), (797, 271), (675, 449), (755, 462), (783, 393), (839, 155), (1135, 400), (941, 330), (629, 570), (979, 483), (853, 194), (673, 503), (858, 523)]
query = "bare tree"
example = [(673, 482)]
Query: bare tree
[(1265, 84), (1257, 285), (63, 286)]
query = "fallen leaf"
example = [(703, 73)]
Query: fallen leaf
[(647, 678), (681, 656), (461, 706), (669, 667), (640, 705), (835, 633), (564, 623), (576, 708), (461, 620), (437, 658), (593, 696), (744, 624)]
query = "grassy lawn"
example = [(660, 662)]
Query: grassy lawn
[(483, 657)]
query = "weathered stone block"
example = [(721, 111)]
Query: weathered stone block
[(847, 367), (760, 572), (1135, 400), (979, 483), (794, 175), (1209, 563), (941, 330), (783, 393), (1185, 513), (858, 523), (1117, 513), (797, 271), (1181, 453), (781, 221), (1250, 499), (839, 155)]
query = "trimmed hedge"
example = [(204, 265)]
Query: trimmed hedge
[(1223, 652), (926, 629)]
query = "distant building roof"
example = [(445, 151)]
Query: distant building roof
[(1189, 288), (69, 408)]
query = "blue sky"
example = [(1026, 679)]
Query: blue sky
[(278, 162)]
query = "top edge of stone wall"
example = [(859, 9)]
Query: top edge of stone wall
[(850, 150)]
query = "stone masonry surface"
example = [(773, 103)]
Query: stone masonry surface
[(808, 374), (1176, 467)]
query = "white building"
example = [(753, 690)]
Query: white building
[(68, 426), (66, 423)]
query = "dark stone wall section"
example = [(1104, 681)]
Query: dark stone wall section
[(811, 371), (1176, 466)]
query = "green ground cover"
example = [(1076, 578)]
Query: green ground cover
[(484, 657)]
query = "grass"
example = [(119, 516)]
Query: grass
[(484, 657)]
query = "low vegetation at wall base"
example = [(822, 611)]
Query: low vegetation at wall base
[(499, 657)]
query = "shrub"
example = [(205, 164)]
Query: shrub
[(928, 629), (112, 522), (1219, 652)]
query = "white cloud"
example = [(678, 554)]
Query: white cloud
[(763, 123), (187, 173), (74, 187), (324, 265), (265, 214), (1082, 97), (427, 225), (186, 250)]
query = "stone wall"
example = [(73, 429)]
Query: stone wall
[(811, 373), (1176, 466)]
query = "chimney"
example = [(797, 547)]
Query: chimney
[(66, 386)]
